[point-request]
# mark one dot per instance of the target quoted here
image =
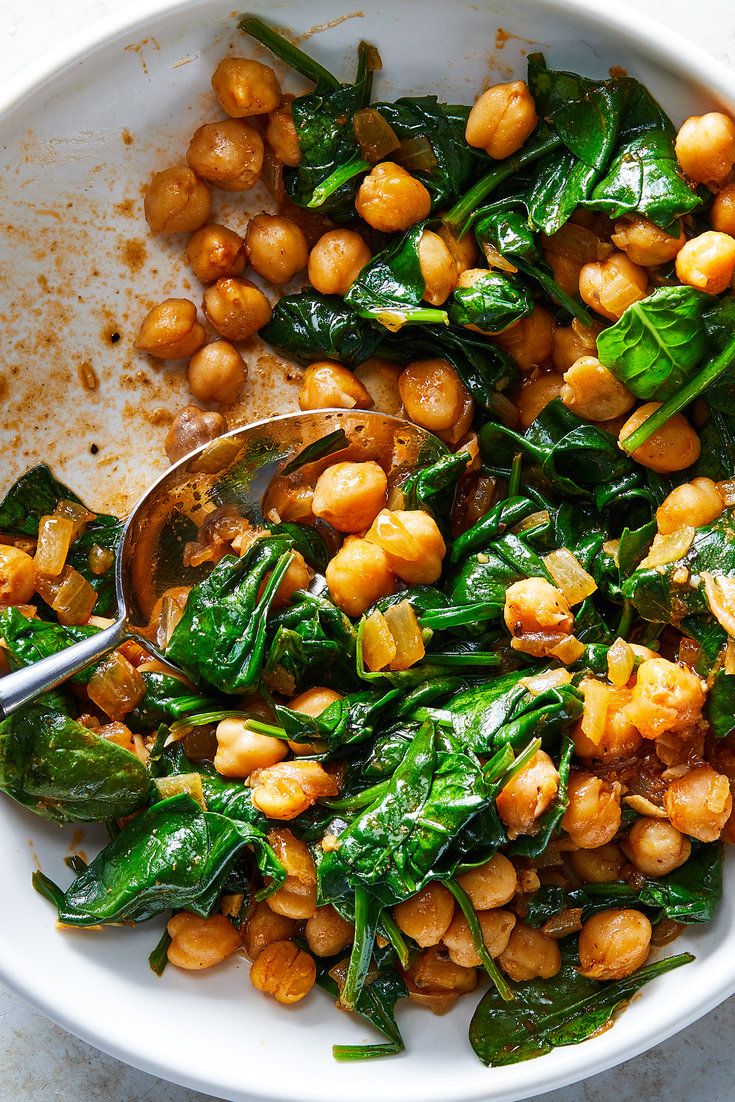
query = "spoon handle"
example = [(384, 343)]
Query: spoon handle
[(19, 688)]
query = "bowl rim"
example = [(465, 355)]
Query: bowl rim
[(672, 51)]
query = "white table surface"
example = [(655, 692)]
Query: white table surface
[(39, 1060)]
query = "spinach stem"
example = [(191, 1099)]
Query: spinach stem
[(552, 288), (48, 889), (360, 799), (204, 718), (626, 620), (514, 482), (367, 914), (365, 1052), (470, 915), (286, 51), (159, 955), (395, 937), (340, 176)]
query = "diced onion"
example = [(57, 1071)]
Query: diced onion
[(689, 651), (171, 613), (116, 686), (568, 921), (730, 656), (571, 578), (568, 650), (534, 520), (272, 175), (217, 455), (54, 540), (504, 410), (409, 642), (118, 733), (645, 807), (100, 559), (378, 644), (727, 490), (70, 595), (539, 683), (620, 663), (594, 714), (611, 548), (495, 259), (669, 548), (190, 783), (720, 594), (78, 514), (390, 534), (642, 653), (374, 134)]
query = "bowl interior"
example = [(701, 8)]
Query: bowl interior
[(79, 270)]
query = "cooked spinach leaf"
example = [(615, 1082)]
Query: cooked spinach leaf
[(29, 640), (309, 326), (492, 303), (390, 288)]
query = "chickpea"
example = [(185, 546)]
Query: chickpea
[(201, 942), (620, 739), (436, 981), (614, 944), (358, 576), (529, 341), (17, 576), (214, 252), (190, 429), (705, 148), (176, 201), (282, 136), (699, 803), (412, 543), (496, 929), (647, 244), (438, 268), (722, 212), (170, 331), (328, 385), (285, 790), (530, 955), (707, 262), (463, 249), (391, 199), (501, 119), (527, 795), (592, 818), (426, 916), (286, 501), (244, 87), (263, 927), (217, 373), (236, 308), (673, 447), (609, 287), (312, 702), (597, 866), (697, 503), (535, 395), (533, 605), (276, 247), (327, 933), (349, 496), (298, 576), (433, 394), (665, 697), (241, 751), (656, 847), (296, 898), (228, 154), (336, 261), (380, 379), (283, 971), (592, 391), (571, 342), (490, 885)]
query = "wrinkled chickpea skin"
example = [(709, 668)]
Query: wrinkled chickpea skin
[(349, 496), (198, 943), (359, 575), (217, 373), (170, 331), (190, 429), (245, 87), (236, 308), (215, 252), (501, 119), (228, 154), (176, 201), (283, 971), (328, 385)]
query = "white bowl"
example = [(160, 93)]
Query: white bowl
[(77, 265)]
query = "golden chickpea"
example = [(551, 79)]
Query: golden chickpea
[(463, 249), (530, 955), (312, 702), (699, 803), (282, 137), (609, 287), (241, 751), (263, 927), (707, 262), (433, 394), (705, 148), (534, 605), (436, 981), (176, 201), (656, 847), (592, 391), (201, 942), (296, 898), (527, 795), (190, 428), (284, 971), (490, 885), (412, 543), (571, 342), (592, 818), (285, 790), (597, 866), (327, 933), (696, 503), (426, 916), (380, 379), (614, 944), (722, 212), (328, 385), (646, 244), (535, 395), (17, 576), (244, 87), (336, 261), (349, 496), (665, 697), (673, 447), (501, 119), (619, 740), (170, 331), (438, 268), (531, 340), (229, 154), (391, 199), (217, 373), (214, 252), (298, 576), (496, 929), (276, 247), (236, 308), (358, 576)]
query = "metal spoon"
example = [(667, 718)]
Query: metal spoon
[(235, 469)]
